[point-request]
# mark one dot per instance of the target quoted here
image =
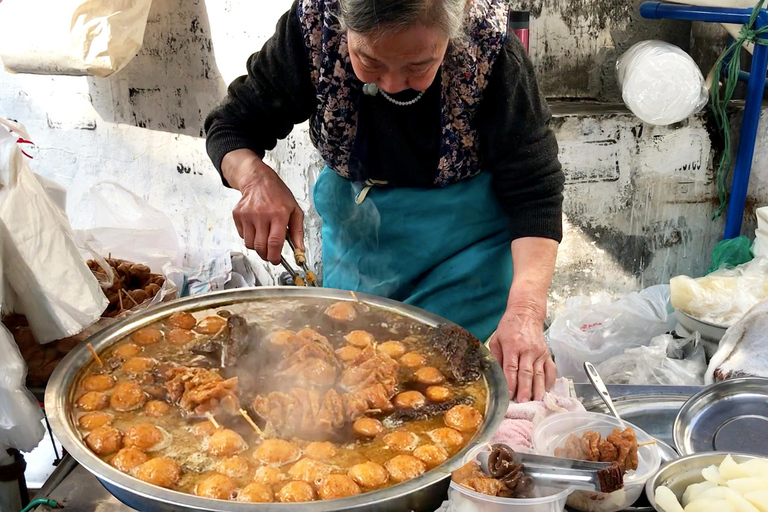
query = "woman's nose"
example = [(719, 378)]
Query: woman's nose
[(392, 83)]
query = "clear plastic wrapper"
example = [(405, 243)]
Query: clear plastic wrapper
[(742, 351)]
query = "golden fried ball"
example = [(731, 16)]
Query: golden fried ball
[(409, 400), (277, 451), (348, 353), (269, 475), (138, 365), (181, 337), (337, 486), (92, 401), (147, 336), (393, 349), (127, 396), (369, 475), (203, 428), (342, 311), (404, 467), (211, 325), (181, 320), (94, 420), (234, 467), (309, 470), (401, 441), (104, 440), (156, 408), (320, 450), (256, 493), (161, 471), (446, 437), (438, 393), (98, 382), (226, 442), (432, 455), (368, 427), (143, 436), (282, 338), (360, 338), (128, 458), (127, 350), (463, 418), (295, 492), (429, 375), (217, 486), (413, 360)]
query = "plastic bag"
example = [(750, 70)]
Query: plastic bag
[(724, 296), (71, 37), (760, 247), (660, 83), (45, 278), (742, 350), (730, 253), (665, 362), (596, 332)]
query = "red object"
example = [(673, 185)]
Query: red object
[(519, 23)]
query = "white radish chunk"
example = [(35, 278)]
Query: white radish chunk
[(729, 469), (666, 500), (703, 505), (756, 468), (759, 499), (695, 490), (712, 474), (745, 485)]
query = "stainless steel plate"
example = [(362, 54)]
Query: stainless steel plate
[(709, 331), (729, 416)]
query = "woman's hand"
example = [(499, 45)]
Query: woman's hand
[(266, 208)]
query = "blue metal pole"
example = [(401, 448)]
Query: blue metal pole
[(659, 10)]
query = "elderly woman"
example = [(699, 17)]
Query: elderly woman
[(439, 159)]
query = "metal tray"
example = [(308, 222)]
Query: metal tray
[(729, 416)]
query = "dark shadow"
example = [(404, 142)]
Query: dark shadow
[(173, 82)]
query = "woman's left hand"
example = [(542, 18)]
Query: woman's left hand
[(522, 351)]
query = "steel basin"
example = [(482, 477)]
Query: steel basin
[(424, 493)]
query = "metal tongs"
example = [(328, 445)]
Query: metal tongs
[(564, 473), (309, 278)]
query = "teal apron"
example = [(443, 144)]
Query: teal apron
[(445, 250)]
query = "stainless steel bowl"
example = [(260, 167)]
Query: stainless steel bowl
[(709, 331), (680, 473), (420, 494)]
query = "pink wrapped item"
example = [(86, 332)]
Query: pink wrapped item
[(516, 430)]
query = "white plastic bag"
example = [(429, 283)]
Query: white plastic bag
[(742, 351), (596, 332), (665, 362), (760, 246), (71, 37), (660, 83), (45, 277)]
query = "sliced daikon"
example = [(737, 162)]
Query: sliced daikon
[(712, 474), (695, 490), (756, 468), (745, 485), (702, 505), (716, 493), (666, 500), (729, 469), (759, 499)]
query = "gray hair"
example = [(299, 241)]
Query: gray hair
[(368, 16)]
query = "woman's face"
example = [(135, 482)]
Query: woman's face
[(397, 61)]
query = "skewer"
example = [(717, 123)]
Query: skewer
[(647, 443), (301, 260), (120, 298), (354, 296), (132, 299), (213, 420), (95, 355), (252, 423)]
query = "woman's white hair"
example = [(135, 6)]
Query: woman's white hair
[(368, 16)]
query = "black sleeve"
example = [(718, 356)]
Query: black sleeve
[(519, 148), (264, 105)]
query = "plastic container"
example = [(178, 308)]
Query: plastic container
[(461, 499), (552, 433)]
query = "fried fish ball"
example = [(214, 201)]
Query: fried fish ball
[(320, 450), (368, 427), (393, 349), (181, 337), (128, 458), (234, 467), (309, 470), (401, 441), (136, 365), (282, 338), (127, 350), (226, 442), (127, 396), (256, 493), (413, 360), (277, 451), (429, 375), (463, 418), (93, 401), (104, 440), (160, 471), (143, 436), (446, 437), (210, 325), (203, 428), (218, 486), (342, 311), (181, 320), (438, 393), (404, 467), (94, 420), (348, 353), (297, 491), (156, 408), (369, 475), (409, 400), (98, 382), (337, 486), (360, 338), (269, 475), (432, 455), (147, 336)]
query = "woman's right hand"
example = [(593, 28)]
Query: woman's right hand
[(266, 208)]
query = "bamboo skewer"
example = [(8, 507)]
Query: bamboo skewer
[(120, 298), (132, 299), (213, 420), (95, 356), (354, 296), (252, 423), (647, 443)]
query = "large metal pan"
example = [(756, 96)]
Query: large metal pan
[(424, 493)]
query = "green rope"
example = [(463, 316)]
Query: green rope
[(720, 102), (37, 503)]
